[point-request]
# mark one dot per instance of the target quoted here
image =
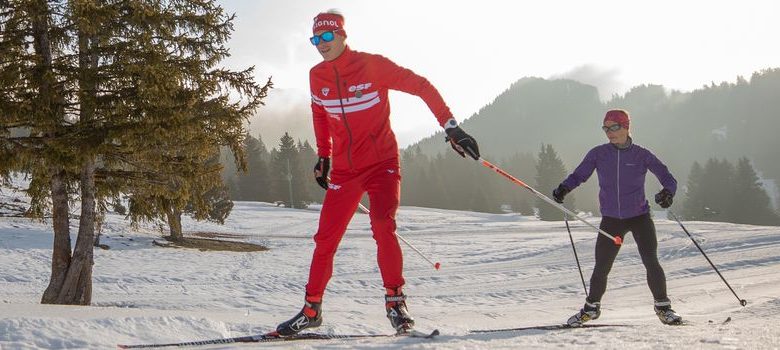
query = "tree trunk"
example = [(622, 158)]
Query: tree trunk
[(61, 253), (99, 219), (77, 288), (61, 250), (174, 222), (71, 279)]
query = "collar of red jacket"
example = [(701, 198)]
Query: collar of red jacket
[(342, 60)]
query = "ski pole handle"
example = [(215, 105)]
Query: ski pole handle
[(617, 239), (436, 265)]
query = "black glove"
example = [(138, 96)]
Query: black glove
[(560, 192), (462, 142), (321, 170), (664, 198)]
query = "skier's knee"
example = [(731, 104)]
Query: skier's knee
[(382, 224)]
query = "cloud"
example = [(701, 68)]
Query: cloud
[(605, 80)]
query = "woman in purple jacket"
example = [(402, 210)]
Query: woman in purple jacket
[(621, 166)]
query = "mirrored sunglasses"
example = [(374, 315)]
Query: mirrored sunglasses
[(326, 37), (614, 127)]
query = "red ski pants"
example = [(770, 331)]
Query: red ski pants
[(382, 181)]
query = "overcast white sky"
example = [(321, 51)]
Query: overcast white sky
[(472, 51)]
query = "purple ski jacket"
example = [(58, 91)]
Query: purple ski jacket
[(621, 178)]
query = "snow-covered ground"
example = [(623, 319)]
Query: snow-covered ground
[(498, 271)]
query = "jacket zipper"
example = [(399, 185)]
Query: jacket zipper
[(620, 216), (344, 116)]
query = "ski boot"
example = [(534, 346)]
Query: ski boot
[(309, 317), (663, 309), (589, 311), (395, 305)]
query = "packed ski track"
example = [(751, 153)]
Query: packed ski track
[(497, 271)]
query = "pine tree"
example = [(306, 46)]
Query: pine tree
[(441, 190), (549, 173), (717, 185), (721, 192), (448, 174), (306, 158), (253, 185), (287, 182), (694, 207), (415, 177), (213, 194), (263, 171), (38, 87), (750, 202), (520, 165), (229, 172), (117, 97)]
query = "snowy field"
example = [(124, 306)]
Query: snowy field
[(498, 271)]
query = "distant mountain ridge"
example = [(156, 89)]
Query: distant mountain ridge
[(530, 112), (728, 120)]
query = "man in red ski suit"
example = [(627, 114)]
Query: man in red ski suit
[(351, 115)]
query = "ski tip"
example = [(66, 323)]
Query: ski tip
[(618, 240), (411, 332), (437, 265)]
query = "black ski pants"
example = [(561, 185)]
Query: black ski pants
[(643, 231)]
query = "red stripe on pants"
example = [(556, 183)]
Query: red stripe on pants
[(383, 184)]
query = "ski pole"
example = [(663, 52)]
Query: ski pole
[(436, 265), (566, 220), (617, 240), (742, 302)]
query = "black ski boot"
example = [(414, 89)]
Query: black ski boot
[(309, 317), (663, 309), (589, 311), (395, 304)]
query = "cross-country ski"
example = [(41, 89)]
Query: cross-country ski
[(553, 327), (275, 337)]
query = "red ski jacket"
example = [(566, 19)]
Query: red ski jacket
[(351, 111)]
